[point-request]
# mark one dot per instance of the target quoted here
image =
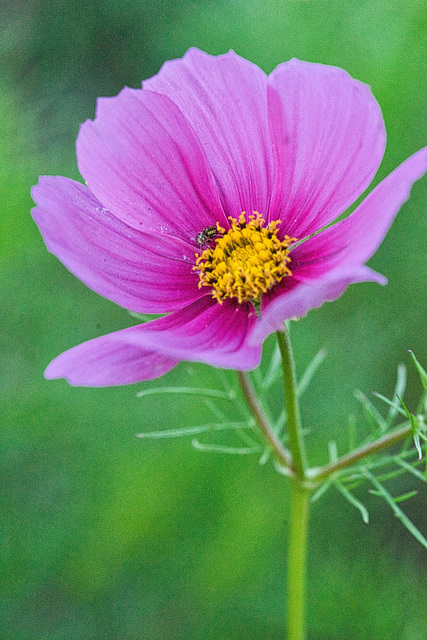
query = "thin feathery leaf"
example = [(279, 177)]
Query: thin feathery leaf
[(422, 404), (399, 390), (378, 463), (383, 460), (402, 498), (355, 484), (406, 496), (191, 431), (257, 377), (352, 433), (284, 471), (410, 469), (310, 371), (333, 451), (421, 371), (192, 391), (278, 428), (353, 501), (224, 379), (374, 417), (217, 413), (220, 449), (355, 479), (415, 428), (145, 317), (247, 439), (274, 369), (390, 476), (320, 491), (393, 405), (281, 422), (265, 457), (397, 510)]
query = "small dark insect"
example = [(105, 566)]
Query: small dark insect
[(208, 233)]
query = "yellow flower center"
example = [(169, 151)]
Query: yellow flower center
[(246, 261)]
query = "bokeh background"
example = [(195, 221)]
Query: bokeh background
[(109, 536)]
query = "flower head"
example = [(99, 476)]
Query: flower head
[(246, 261), (210, 196)]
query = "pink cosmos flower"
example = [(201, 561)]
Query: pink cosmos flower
[(200, 187)]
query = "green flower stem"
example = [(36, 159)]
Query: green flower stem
[(279, 450), (358, 454), (295, 462), (297, 555), (296, 443), (298, 528)]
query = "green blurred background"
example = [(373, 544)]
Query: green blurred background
[(109, 536)]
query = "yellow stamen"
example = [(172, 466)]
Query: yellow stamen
[(246, 261)]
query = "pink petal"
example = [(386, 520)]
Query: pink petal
[(328, 137), (225, 100), (356, 238), (142, 272), (297, 301), (108, 361), (143, 161), (203, 332)]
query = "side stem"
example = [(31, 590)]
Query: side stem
[(270, 435), (358, 454)]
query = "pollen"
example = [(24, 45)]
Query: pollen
[(246, 261)]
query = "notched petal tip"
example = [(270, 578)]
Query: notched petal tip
[(329, 137), (224, 98)]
